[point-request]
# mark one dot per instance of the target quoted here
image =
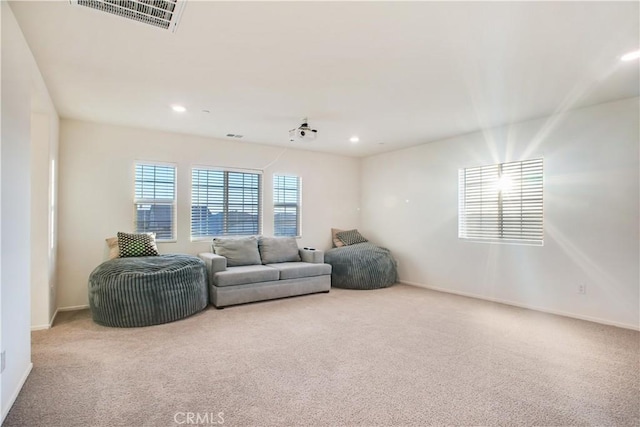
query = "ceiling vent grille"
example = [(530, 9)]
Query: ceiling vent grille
[(164, 14)]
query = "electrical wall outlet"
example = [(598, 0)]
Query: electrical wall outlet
[(582, 289), (3, 360)]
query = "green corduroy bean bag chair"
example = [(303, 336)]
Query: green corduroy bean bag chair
[(144, 291)]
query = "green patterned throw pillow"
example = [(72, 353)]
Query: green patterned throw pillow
[(350, 237), (134, 245)]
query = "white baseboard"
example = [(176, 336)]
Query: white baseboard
[(14, 395), (73, 308), (53, 318), (529, 307), (47, 325)]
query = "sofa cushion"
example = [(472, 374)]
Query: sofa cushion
[(238, 251), (245, 274), (278, 249), (295, 270)]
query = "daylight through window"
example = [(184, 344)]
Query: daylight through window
[(502, 202), (225, 203), (286, 205), (155, 199)]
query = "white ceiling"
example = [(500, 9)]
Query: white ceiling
[(395, 74)]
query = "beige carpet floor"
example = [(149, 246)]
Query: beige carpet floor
[(396, 356)]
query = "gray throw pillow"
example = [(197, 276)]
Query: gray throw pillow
[(278, 249), (237, 251), (351, 237)]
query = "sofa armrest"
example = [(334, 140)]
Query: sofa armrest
[(213, 262), (315, 256)]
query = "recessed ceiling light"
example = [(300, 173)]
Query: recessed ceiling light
[(631, 56), (178, 108), (354, 139)]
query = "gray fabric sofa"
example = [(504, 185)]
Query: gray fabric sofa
[(281, 270)]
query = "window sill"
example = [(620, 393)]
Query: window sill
[(502, 241), (210, 238)]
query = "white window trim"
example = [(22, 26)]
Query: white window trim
[(153, 201), (225, 169)]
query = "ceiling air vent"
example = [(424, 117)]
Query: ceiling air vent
[(164, 14)]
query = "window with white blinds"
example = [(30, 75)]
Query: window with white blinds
[(155, 200), (225, 203), (502, 202), (286, 205)]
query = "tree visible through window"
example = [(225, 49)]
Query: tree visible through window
[(286, 205), (155, 199), (502, 202), (225, 203)]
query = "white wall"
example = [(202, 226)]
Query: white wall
[(97, 184), (23, 89), (591, 199), (44, 153), (2, 134)]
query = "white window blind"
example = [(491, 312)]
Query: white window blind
[(286, 205), (225, 203), (502, 202), (155, 200)]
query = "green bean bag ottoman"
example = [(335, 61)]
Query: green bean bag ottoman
[(144, 291), (361, 266)]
